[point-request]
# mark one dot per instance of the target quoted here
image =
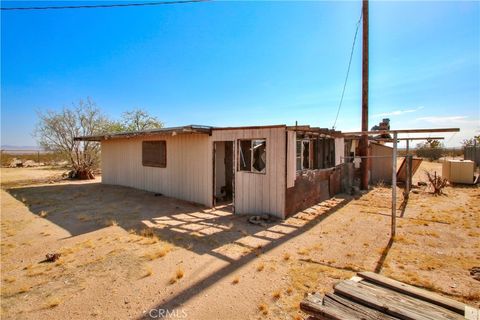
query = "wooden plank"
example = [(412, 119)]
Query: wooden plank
[(392, 303), (360, 311), (313, 305), (402, 131), (415, 292), (472, 313), (402, 171)]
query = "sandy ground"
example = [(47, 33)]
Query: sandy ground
[(23, 176), (127, 254)]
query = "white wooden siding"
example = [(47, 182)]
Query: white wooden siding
[(291, 158), (189, 171), (257, 193), (339, 150), (187, 175)]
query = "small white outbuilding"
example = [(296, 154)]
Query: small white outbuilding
[(274, 169)]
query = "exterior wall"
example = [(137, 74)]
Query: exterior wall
[(257, 193), (311, 187), (339, 150), (220, 168), (291, 158), (187, 175), (380, 168)]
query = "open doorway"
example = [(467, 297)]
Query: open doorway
[(223, 174)]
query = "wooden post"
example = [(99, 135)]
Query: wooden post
[(365, 164), (394, 186)]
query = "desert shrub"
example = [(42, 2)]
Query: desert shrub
[(432, 150)]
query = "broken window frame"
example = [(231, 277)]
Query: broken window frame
[(301, 155), (161, 162), (248, 165), (321, 153)]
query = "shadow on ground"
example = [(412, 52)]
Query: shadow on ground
[(87, 207)]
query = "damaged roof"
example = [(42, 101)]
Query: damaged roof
[(201, 129), (130, 134)]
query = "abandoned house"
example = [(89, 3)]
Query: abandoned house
[(276, 169)]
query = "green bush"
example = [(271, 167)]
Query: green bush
[(432, 150)]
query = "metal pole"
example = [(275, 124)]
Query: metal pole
[(474, 153), (365, 164), (394, 185), (407, 174)]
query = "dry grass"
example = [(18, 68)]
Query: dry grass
[(43, 213), (286, 256), (303, 251), (111, 223), (53, 302), (10, 279), (148, 271), (147, 233), (23, 289), (260, 267), (179, 273), (276, 294), (263, 308), (159, 253)]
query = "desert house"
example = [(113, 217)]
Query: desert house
[(275, 169)]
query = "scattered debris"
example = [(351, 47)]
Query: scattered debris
[(18, 163), (475, 273), (15, 163), (30, 163), (52, 257), (262, 220)]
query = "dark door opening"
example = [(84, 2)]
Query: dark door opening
[(223, 177)]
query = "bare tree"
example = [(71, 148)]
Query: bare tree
[(471, 142), (138, 120), (56, 131)]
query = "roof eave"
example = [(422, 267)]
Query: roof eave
[(162, 131)]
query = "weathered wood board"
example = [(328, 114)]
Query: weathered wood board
[(371, 296)]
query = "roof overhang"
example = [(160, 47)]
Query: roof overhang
[(192, 129), (315, 131)]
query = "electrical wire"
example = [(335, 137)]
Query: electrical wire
[(93, 6), (348, 70)]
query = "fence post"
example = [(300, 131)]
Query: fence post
[(394, 185)]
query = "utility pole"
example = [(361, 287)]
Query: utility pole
[(365, 164)]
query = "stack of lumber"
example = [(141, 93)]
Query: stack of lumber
[(372, 296)]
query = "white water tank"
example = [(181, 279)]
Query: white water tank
[(458, 171)]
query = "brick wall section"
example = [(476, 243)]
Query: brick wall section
[(312, 187)]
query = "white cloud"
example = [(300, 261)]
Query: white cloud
[(447, 119), (397, 112)]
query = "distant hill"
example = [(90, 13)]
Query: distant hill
[(20, 148)]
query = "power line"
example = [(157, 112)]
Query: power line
[(105, 5), (348, 70)]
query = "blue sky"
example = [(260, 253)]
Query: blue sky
[(229, 63)]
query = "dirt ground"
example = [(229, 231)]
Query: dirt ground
[(128, 254), (24, 176)]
